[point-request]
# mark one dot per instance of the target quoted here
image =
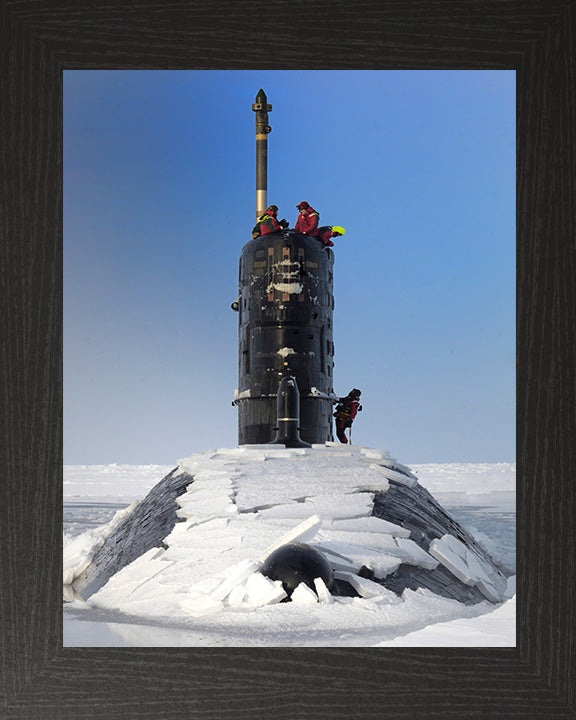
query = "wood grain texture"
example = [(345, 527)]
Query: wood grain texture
[(41, 680)]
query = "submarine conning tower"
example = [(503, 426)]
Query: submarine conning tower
[(285, 310)]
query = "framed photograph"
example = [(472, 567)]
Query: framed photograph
[(44, 679)]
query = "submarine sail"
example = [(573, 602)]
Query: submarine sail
[(285, 310)]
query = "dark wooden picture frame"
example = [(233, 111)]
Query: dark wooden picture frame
[(39, 678)]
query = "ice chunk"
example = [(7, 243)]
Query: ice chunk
[(214, 508), (366, 588), (337, 505), (237, 595), (455, 545), (344, 564), (489, 590), (236, 575), (369, 525), (241, 395), (372, 454), (466, 565), (285, 351), (303, 595), (415, 555), (301, 533), (393, 475), (260, 590), (440, 550), (322, 591), (374, 485), (382, 567), (338, 561)]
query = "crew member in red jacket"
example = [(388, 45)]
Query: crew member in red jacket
[(268, 222), (346, 410), (329, 231), (307, 223)]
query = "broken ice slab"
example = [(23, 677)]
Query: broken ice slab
[(373, 454), (412, 553), (213, 508), (237, 595), (260, 590), (301, 533), (391, 474), (340, 505), (234, 576), (455, 545), (373, 485), (367, 588), (338, 561), (369, 548), (188, 527), (357, 557), (324, 595), (368, 525), (447, 555), (468, 567), (490, 591), (303, 595)]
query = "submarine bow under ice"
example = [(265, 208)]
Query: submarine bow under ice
[(402, 519)]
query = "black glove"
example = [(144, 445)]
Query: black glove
[(359, 408), (284, 223)]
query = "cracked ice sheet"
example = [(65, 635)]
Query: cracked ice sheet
[(215, 538), (278, 476), (331, 507)]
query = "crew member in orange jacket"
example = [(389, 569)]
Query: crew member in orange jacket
[(346, 410), (307, 223)]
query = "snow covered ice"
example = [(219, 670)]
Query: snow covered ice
[(204, 587)]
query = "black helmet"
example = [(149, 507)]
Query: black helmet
[(355, 393), (272, 207)]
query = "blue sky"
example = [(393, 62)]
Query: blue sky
[(159, 195)]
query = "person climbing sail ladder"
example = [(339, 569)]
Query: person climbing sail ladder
[(346, 410)]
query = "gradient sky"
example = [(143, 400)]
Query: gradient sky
[(159, 195)]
